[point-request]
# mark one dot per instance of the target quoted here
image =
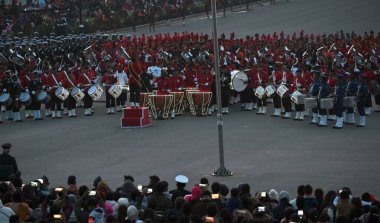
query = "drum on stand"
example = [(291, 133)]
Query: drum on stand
[(43, 97), (144, 99), (239, 80), (115, 90), (283, 91), (298, 98), (270, 90), (187, 99), (327, 103), (95, 91), (62, 93), (5, 99), (311, 103), (200, 101), (349, 102), (77, 93), (25, 98), (177, 102), (161, 105), (260, 92)]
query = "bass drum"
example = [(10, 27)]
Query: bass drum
[(25, 98), (5, 99), (43, 97), (239, 80)]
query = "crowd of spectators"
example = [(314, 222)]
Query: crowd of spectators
[(64, 17), (206, 202)]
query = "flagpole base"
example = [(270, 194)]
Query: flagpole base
[(222, 172)]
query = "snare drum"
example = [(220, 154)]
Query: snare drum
[(270, 90), (311, 103), (115, 90), (77, 93), (200, 102), (349, 102), (283, 91), (62, 93), (95, 91), (298, 98), (327, 103), (5, 99), (260, 92), (161, 105), (177, 102), (144, 99), (43, 97), (25, 98)]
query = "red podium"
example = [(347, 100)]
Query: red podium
[(135, 117)]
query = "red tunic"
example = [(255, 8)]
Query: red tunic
[(205, 81), (134, 71), (109, 79)]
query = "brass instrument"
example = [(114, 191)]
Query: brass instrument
[(16, 58), (90, 56)]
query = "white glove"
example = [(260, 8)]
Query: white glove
[(4, 90), (43, 87), (206, 84), (169, 90), (49, 88), (180, 89), (60, 83), (59, 69), (78, 85), (33, 92), (195, 79), (27, 90), (155, 84)]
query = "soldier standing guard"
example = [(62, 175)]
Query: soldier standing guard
[(362, 98), (339, 93), (324, 92)]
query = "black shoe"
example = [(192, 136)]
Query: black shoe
[(88, 115), (295, 119), (360, 125), (273, 115), (59, 117), (18, 121), (283, 117), (321, 125), (1, 122), (38, 119), (49, 115), (349, 123), (336, 127), (10, 119), (313, 123)]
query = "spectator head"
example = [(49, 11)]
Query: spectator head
[(212, 209), (6, 147), (244, 189), (235, 192), (71, 180), (181, 181), (344, 194), (366, 197), (111, 219), (97, 215), (318, 194), (123, 202), (186, 209), (17, 196), (308, 189), (283, 196), (129, 177), (161, 187), (178, 203), (295, 218), (288, 213), (273, 195), (109, 196), (313, 215), (96, 181), (324, 217), (356, 202), (300, 202), (132, 213), (148, 214), (171, 216), (153, 180), (330, 196), (224, 190), (82, 190), (194, 218), (215, 188), (301, 190)]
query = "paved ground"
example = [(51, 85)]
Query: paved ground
[(263, 151)]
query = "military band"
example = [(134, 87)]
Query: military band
[(322, 74)]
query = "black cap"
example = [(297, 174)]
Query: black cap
[(6, 146)]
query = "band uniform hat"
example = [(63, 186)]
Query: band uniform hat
[(182, 179), (6, 146)]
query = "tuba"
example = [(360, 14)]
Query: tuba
[(90, 56), (16, 58)]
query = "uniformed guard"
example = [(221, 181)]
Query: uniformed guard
[(362, 98), (314, 93), (339, 93), (324, 92)]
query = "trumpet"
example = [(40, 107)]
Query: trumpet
[(16, 58), (122, 53)]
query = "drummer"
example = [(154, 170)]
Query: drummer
[(260, 79), (109, 78), (122, 79), (225, 79), (86, 79), (324, 92), (35, 86), (287, 79), (70, 82), (247, 96), (55, 80), (15, 91), (299, 84), (25, 78), (339, 93)]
